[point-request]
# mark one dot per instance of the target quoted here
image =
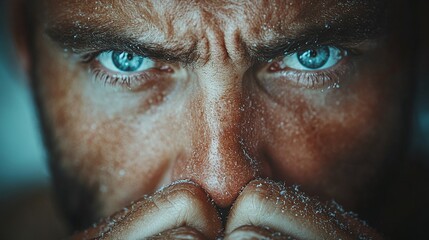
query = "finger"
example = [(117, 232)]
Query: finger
[(253, 232), (187, 233), (183, 204), (285, 209)]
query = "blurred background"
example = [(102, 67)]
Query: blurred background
[(24, 176), (22, 157), (23, 165)]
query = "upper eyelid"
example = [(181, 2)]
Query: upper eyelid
[(91, 56), (348, 52), (314, 46)]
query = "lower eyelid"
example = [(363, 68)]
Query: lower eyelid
[(330, 77), (310, 79), (323, 79), (129, 82)]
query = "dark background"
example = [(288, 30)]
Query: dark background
[(22, 158)]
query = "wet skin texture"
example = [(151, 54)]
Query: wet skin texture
[(214, 109)]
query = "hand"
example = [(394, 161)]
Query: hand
[(180, 210), (264, 210), (268, 210)]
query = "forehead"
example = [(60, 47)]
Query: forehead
[(178, 16)]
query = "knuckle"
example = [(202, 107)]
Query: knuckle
[(259, 193), (180, 233), (186, 191), (255, 232)]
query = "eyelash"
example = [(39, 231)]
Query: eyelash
[(120, 80), (315, 79)]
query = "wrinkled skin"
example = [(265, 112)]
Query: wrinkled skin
[(214, 112)]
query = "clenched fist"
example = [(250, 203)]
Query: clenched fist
[(263, 210)]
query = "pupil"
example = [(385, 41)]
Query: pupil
[(313, 53), (314, 58), (126, 62)]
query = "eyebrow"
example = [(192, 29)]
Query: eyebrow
[(343, 34), (92, 38), (97, 39)]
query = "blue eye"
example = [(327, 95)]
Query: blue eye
[(126, 62), (120, 61), (313, 59)]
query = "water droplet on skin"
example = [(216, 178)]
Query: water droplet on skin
[(125, 210), (336, 85), (295, 188)]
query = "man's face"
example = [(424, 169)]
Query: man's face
[(137, 94)]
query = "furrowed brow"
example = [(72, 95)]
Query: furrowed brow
[(95, 39)]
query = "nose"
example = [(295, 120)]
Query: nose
[(217, 158)]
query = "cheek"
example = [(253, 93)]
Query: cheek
[(332, 142), (309, 135), (117, 161), (100, 143)]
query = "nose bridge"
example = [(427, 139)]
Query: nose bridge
[(222, 117), (217, 161)]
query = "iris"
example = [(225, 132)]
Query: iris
[(314, 58), (126, 62)]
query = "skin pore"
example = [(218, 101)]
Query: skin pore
[(218, 106)]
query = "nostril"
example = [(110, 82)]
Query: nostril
[(266, 170)]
